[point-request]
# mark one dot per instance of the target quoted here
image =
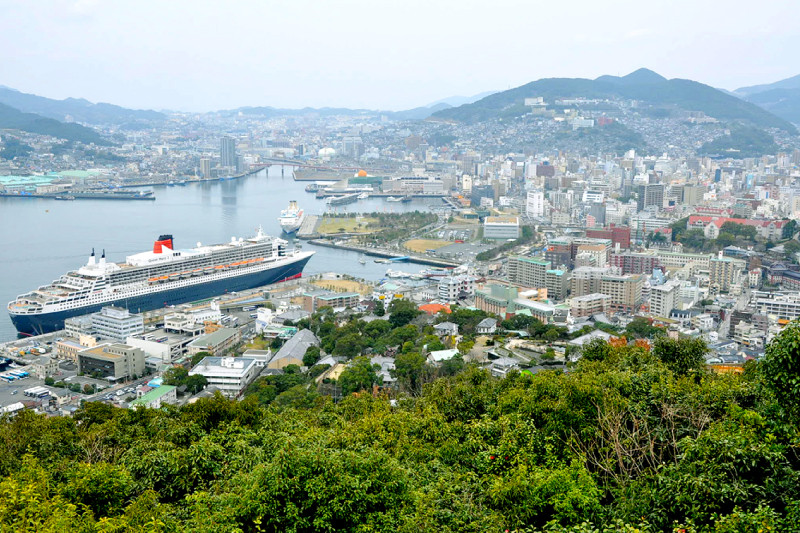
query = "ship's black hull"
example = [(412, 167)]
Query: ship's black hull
[(48, 322)]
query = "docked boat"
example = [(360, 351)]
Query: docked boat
[(291, 218), (394, 199), (406, 199), (161, 277), (342, 200), (363, 196)]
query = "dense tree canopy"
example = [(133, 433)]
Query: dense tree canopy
[(629, 439)]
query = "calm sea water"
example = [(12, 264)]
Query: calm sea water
[(41, 239)]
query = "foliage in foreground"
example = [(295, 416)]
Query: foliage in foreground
[(628, 440)]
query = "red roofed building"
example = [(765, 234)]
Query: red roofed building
[(432, 309), (765, 228)]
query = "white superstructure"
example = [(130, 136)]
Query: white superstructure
[(291, 218)]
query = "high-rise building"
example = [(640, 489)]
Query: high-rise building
[(586, 280), (556, 282), (227, 152), (635, 263), (663, 298), (650, 195), (528, 271), (205, 167), (625, 291), (534, 205), (724, 271)]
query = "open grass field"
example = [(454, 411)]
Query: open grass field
[(421, 245), (331, 225)]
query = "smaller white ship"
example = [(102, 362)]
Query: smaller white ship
[(394, 199), (363, 196), (291, 218)]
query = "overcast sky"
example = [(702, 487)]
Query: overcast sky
[(204, 55)]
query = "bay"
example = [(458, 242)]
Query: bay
[(42, 239)]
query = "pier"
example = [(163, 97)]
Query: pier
[(385, 255)]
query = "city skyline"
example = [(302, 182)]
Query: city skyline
[(189, 57)]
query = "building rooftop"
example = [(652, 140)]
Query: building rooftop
[(217, 337), (154, 394), (296, 346), (234, 367)]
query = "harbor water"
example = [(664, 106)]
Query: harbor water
[(42, 238)]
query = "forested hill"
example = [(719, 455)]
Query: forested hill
[(77, 109), (643, 85), (632, 438), (15, 119)]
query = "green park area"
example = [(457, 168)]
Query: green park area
[(330, 225)]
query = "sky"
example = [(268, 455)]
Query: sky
[(206, 55)]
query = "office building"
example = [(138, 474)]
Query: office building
[(112, 361), (785, 306), (231, 375), (534, 204), (216, 343), (117, 323), (650, 195), (501, 228)]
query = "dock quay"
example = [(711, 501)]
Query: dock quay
[(85, 195), (386, 255)]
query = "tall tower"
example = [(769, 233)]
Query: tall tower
[(227, 152)]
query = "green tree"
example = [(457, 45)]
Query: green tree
[(49, 381), (596, 350), (380, 309), (360, 374), (311, 356), (196, 358), (402, 312), (349, 345), (410, 369), (781, 367), (789, 229), (88, 389), (176, 376), (725, 239), (681, 355), (791, 248), (195, 383)]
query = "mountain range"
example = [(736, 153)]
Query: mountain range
[(75, 109), (781, 98), (643, 85), (11, 118)]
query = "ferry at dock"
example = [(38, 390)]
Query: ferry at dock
[(161, 277), (291, 218)]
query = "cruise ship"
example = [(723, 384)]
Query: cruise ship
[(291, 218), (161, 277)]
